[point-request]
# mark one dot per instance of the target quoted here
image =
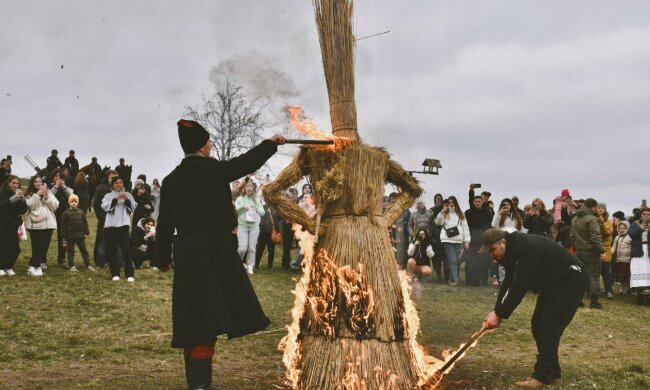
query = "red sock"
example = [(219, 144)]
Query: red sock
[(201, 351)]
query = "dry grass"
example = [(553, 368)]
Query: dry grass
[(82, 331)]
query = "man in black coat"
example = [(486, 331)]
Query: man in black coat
[(212, 294), (479, 219), (53, 162), (72, 163), (536, 263)]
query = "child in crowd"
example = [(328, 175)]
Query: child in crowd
[(74, 229), (621, 249), (143, 238)]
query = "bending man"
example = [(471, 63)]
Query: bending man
[(537, 263)]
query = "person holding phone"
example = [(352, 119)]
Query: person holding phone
[(118, 205), (12, 206), (420, 253)]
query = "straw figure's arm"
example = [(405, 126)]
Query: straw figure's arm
[(288, 209), (411, 190)]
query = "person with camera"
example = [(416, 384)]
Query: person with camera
[(455, 236), (479, 219), (539, 220), (420, 253), (640, 262), (12, 206)]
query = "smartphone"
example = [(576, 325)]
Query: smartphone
[(477, 185), (644, 202)]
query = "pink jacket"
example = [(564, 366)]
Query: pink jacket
[(559, 204)]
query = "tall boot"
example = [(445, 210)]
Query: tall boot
[(200, 374), (594, 302)]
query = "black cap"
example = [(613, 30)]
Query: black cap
[(71, 151), (192, 135), (619, 214), (54, 151), (94, 159), (490, 237)]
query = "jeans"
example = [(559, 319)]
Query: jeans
[(452, 251), (114, 238), (81, 243), (247, 239), (263, 241), (40, 244)]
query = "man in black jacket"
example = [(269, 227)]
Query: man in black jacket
[(537, 263), (212, 294), (479, 219)]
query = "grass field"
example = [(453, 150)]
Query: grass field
[(81, 331)]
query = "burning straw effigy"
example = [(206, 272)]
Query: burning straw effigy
[(354, 325)]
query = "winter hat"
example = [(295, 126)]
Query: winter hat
[(603, 205), (624, 222), (590, 202), (192, 135), (139, 181), (565, 192), (619, 214), (73, 197)]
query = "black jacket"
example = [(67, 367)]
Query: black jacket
[(539, 225), (100, 193), (265, 222), (212, 294), (74, 224), (635, 233), (532, 262), (10, 213)]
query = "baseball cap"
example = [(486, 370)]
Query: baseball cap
[(490, 237)]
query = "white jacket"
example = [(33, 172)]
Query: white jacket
[(411, 250), (509, 225), (450, 221), (41, 212)]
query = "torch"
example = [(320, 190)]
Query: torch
[(437, 376), (309, 141)]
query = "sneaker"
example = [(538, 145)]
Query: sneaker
[(610, 295), (530, 383), (31, 271), (153, 268), (250, 270), (39, 271), (10, 272), (90, 268), (130, 279), (43, 266), (73, 269), (2, 272), (116, 278)]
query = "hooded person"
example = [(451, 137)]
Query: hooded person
[(212, 294)]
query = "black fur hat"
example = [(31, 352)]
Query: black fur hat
[(192, 135)]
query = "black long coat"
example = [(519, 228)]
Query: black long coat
[(212, 293)]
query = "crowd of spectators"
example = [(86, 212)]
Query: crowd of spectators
[(428, 242)]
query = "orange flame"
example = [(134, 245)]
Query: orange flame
[(310, 128)]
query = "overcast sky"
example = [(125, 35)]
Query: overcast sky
[(525, 97)]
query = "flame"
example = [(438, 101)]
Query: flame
[(318, 290), (290, 344), (310, 128)]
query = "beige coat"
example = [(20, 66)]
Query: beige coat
[(621, 248), (41, 212)]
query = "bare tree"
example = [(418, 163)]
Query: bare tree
[(234, 122)]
